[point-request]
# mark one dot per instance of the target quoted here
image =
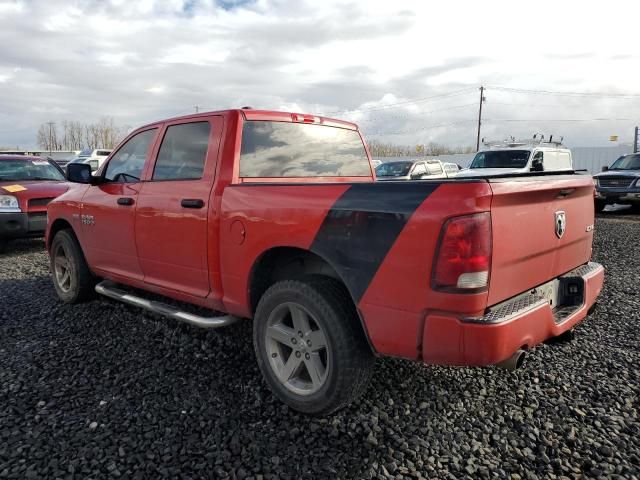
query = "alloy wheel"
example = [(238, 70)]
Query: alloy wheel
[(62, 268), (297, 349)]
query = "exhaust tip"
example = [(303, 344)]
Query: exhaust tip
[(514, 362)]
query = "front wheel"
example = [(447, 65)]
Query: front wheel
[(310, 346), (599, 205), (72, 279)]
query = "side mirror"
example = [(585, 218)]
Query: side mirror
[(79, 173), (416, 176), (536, 165), (605, 168)]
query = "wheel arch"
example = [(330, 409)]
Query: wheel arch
[(288, 263), (58, 225)]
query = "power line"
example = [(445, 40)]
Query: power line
[(405, 102), (407, 114), (428, 127), (498, 120), (566, 93)]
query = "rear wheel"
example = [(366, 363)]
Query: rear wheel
[(599, 205), (3, 245), (72, 278), (310, 346)]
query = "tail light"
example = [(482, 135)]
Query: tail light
[(463, 257)]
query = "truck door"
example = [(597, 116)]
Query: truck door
[(173, 207), (108, 209)]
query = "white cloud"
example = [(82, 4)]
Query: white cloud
[(157, 89), (94, 58)]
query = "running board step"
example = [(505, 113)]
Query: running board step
[(109, 289)]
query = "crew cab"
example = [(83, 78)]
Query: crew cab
[(27, 185), (619, 183), (276, 217)]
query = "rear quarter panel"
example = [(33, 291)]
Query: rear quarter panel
[(379, 237)]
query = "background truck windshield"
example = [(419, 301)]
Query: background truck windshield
[(23, 170), (282, 149), (393, 169), (630, 162), (501, 159)]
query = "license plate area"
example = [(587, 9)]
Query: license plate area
[(562, 292), (548, 291)]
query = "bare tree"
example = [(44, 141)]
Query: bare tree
[(432, 149), (75, 135), (47, 137)]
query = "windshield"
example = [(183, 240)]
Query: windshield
[(23, 170), (393, 169), (628, 162), (501, 159)]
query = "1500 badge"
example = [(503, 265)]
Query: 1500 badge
[(87, 219)]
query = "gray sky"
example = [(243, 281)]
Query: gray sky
[(139, 61)]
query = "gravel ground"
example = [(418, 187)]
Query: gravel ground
[(103, 390)]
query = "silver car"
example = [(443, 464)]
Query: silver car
[(410, 170)]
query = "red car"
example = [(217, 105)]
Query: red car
[(27, 185), (276, 217)]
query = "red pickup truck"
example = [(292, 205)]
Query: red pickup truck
[(277, 217)]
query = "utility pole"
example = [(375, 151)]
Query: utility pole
[(197, 108), (51, 124), (635, 141), (482, 99)]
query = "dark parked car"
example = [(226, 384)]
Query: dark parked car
[(619, 183)]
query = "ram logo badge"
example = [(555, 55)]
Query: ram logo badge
[(561, 223)]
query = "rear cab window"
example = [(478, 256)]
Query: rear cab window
[(272, 149)]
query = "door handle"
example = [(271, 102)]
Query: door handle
[(127, 201), (192, 203)]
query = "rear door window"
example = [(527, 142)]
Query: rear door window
[(282, 149), (183, 152), (419, 169), (434, 168)]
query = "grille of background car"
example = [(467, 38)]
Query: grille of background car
[(621, 182), (39, 202)]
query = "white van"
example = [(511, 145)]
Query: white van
[(519, 158)]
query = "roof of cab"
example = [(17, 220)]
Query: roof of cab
[(266, 115), (26, 158)]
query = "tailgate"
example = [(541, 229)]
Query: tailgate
[(528, 248)]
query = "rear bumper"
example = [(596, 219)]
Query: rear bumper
[(612, 195), (508, 327), (22, 224)]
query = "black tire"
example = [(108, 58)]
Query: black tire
[(81, 282), (599, 206), (3, 245), (349, 358)]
